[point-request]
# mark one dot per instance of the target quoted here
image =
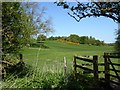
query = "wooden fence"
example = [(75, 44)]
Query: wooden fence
[(108, 62), (94, 62)]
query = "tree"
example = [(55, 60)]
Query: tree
[(41, 37), (12, 27), (19, 23), (43, 25), (83, 40), (74, 38), (51, 38), (94, 9), (117, 45)]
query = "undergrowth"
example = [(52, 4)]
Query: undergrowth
[(47, 76), (36, 78)]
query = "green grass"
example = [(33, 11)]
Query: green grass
[(53, 56), (58, 50), (48, 63)]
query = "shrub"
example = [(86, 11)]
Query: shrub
[(37, 45)]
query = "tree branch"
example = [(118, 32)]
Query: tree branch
[(74, 17)]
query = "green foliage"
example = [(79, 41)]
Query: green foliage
[(54, 38), (117, 43), (11, 16), (84, 40), (96, 9), (17, 27), (38, 45), (11, 58), (19, 70), (73, 38), (42, 24), (79, 39), (20, 23), (50, 80), (51, 38), (41, 37), (30, 77)]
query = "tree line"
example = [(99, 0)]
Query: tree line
[(79, 39)]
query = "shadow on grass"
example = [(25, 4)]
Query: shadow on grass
[(19, 70), (82, 82)]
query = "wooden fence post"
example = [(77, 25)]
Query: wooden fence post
[(74, 64), (21, 57), (65, 66), (107, 76), (95, 67)]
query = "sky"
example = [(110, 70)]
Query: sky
[(101, 28)]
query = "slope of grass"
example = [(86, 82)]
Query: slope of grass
[(48, 64), (53, 56), (58, 50)]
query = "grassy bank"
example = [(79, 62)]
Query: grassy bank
[(48, 64)]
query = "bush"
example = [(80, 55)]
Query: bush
[(19, 70), (38, 45)]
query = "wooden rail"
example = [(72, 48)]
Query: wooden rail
[(84, 59), (94, 62), (108, 62)]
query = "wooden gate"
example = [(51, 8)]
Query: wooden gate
[(108, 65), (111, 66), (94, 63)]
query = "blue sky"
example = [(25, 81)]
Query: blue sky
[(101, 28)]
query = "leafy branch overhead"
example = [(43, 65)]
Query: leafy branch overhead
[(96, 9)]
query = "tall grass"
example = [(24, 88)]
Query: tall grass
[(45, 67), (50, 78), (47, 76)]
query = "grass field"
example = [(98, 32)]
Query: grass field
[(48, 63), (58, 50), (52, 57)]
